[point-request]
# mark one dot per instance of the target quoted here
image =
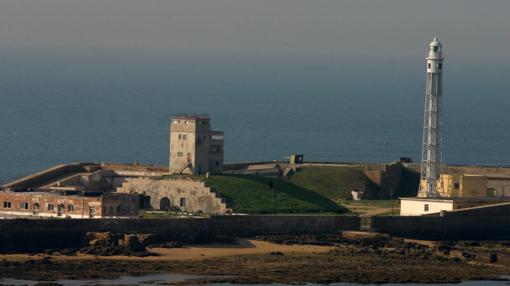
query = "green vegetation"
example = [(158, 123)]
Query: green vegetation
[(335, 182), (251, 194)]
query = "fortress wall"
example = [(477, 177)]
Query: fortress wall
[(48, 175), (37, 235), (248, 226), (194, 194), (497, 209), (479, 223)]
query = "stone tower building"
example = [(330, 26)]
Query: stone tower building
[(194, 147)]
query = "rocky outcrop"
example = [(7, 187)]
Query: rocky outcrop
[(107, 243)]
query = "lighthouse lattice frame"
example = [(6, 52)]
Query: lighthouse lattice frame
[(432, 155)]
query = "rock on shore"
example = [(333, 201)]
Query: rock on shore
[(108, 243)]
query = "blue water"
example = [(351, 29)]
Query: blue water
[(118, 110)]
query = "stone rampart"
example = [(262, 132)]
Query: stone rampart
[(481, 225), (36, 235), (37, 179), (248, 226), (189, 195)]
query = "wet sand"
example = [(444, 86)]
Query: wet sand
[(255, 262), (189, 252)]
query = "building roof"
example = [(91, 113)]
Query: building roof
[(47, 194), (458, 199)]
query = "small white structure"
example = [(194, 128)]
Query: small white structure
[(418, 206), (425, 206), (356, 195)]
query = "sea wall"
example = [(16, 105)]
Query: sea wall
[(40, 234), (477, 224)]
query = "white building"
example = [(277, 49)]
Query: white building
[(425, 206)]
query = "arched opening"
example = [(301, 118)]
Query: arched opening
[(165, 204)]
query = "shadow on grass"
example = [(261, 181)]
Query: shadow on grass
[(252, 194)]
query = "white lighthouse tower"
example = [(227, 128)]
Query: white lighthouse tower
[(432, 126)]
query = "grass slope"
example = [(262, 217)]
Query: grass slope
[(250, 194), (335, 182)]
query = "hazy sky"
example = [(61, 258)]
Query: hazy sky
[(288, 30), (86, 79)]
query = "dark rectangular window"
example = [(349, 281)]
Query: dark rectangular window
[(456, 186), (7, 205), (23, 206), (182, 202), (426, 207), (70, 208), (51, 207)]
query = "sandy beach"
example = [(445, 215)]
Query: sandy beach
[(255, 261)]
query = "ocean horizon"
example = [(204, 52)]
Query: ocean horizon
[(118, 110)]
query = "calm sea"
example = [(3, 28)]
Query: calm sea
[(54, 112)]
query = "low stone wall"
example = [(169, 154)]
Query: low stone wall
[(249, 226), (497, 209), (37, 235), (454, 227)]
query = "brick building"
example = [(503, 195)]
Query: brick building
[(48, 204)]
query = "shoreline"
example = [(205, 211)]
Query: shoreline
[(266, 262)]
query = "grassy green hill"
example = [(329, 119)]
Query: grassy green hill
[(250, 194), (333, 182)]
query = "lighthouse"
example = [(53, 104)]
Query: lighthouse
[(431, 161)]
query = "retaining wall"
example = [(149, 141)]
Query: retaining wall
[(36, 235), (455, 227)]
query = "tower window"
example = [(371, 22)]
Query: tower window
[(428, 65), (440, 65), (435, 48)]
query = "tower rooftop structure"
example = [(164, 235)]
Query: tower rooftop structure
[(191, 116)]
